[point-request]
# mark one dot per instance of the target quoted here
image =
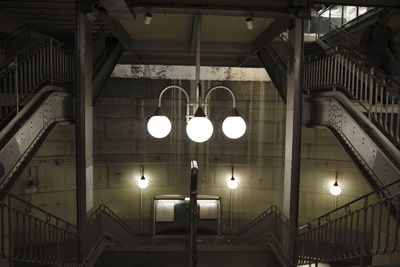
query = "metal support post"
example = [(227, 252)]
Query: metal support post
[(231, 211), (293, 128), (141, 211), (193, 213), (84, 115)]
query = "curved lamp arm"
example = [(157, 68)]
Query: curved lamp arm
[(222, 87), (170, 87)]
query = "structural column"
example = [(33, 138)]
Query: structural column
[(84, 113), (293, 124)]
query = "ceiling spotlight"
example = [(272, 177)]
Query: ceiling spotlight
[(147, 18), (199, 128), (250, 23)]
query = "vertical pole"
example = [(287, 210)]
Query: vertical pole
[(84, 116), (231, 210), (193, 213), (293, 128), (141, 211)]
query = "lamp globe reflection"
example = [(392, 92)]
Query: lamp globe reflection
[(159, 126), (335, 189), (233, 183), (143, 183), (199, 128)]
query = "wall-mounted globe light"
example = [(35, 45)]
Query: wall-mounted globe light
[(159, 126), (234, 126), (233, 183), (143, 183), (335, 189), (199, 128)]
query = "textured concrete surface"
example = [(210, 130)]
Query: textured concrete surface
[(122, 143)]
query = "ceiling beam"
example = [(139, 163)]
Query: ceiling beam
[(118, 9), (187, 60), (371, 3), (273, 30), (211, 10), (182, 47), (119, 32)]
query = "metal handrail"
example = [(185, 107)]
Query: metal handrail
[(45, 62), (380, 191), (41, 237), (370, 228), (104, 222), (338, 71), (255, 221), (350, 44), (271, 228), (39, 212), (15, 34)]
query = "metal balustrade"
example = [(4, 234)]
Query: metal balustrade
[(271, 228), (40, 237), (377, 95), (367, 226), (45, 62), (36, 235)]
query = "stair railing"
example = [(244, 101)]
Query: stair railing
[(30, 234), (366, 226), (271, 228), (340, 70), (46, 62), (40, 237), (22, 32), (105, 225)]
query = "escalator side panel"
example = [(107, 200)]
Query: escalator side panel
[(346, 125), (55, 108)]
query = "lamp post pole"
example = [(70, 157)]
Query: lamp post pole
[(141, 211), (193, 213), (231, 211)]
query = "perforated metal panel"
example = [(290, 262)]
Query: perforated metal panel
[(56, 107)]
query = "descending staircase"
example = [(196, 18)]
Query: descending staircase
[(37, 92), (356, 101)]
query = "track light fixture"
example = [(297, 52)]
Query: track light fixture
[(147, 18), (249, 23)]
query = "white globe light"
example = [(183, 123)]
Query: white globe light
[(335, 189), (233, 183), (143, 183), (234, 127), (159, 126), (199, 129)]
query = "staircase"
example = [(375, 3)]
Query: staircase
[(40, 238), (350, 97), (37, 89)]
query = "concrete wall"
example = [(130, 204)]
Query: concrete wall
[(121, 144)]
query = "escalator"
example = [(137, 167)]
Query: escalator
[(37, 92), (352, 100)]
